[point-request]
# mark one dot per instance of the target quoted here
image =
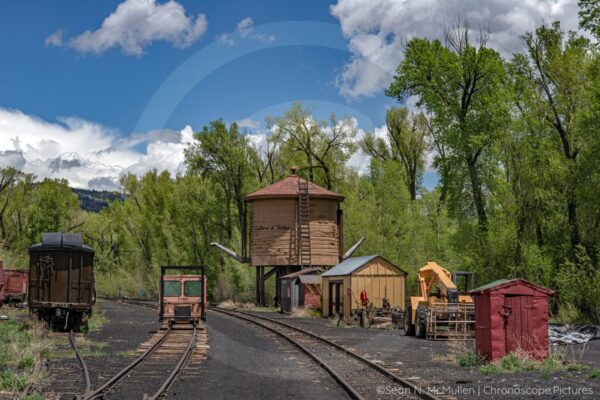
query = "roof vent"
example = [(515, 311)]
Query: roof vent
[(59, 239)]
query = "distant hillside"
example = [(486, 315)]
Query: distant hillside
[(95, 200)]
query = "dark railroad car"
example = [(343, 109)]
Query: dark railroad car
[(61, 280), (182, 297)]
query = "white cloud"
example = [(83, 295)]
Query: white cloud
[(377, 29), (135, 24), (248, 123), (245, 28), (88, 154), (226, 39), (56, 39)]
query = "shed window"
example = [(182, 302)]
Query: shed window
[(171, 288), (192, 288)]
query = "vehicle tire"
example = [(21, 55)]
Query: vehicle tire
[(420, 328), (409, 328)]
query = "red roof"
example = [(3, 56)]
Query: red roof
[(504, 283), (288, 188), (303, 271)]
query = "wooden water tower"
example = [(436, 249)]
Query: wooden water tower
[(293, 224)]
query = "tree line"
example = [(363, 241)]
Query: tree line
[(513, 141)]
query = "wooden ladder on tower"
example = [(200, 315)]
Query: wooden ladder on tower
[(304, 224)]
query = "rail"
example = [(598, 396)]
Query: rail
[(347, 386), (86, 375), (119, 376)]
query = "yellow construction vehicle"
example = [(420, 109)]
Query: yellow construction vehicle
[(442, 309)]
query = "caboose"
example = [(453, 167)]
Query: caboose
[(182, 297)]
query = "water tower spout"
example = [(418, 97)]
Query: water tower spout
[(230, 253), (353, 248)]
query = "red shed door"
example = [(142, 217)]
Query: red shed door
[(518, 322)]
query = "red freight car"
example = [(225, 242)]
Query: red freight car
[(13, 285), (1, 284), (182, 297)]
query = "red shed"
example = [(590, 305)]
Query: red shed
[(1, 283), (511, 315)]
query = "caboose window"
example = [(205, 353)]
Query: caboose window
[(192, 288), (171, 288)]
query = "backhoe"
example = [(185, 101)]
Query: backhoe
[(442, 309)]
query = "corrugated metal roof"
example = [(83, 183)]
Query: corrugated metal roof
[(310, 279), (288, 188), (349, 265)]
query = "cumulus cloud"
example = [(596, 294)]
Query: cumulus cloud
[(88, 154), (135, 24), (245, 28), (377, 29), (248, 123), (226, 39), (56, 39)]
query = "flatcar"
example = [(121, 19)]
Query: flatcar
[(61, 280), (182, 297)]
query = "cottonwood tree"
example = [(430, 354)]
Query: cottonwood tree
[(223, 154), (322, 148), (460, 83), (553, 76), (405, 143)]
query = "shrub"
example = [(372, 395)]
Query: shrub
[(468, 358), (594, 374)]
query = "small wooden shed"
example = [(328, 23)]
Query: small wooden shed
[(301, 289), (510, 316), (372, 275)]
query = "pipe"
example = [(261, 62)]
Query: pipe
[(231, 253), (353, 248)]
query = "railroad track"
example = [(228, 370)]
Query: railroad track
[(166, 351), (162, 353), (359, 377), (142, 303)]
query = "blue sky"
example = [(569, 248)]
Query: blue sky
[(119, 97)]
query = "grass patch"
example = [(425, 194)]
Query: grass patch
[(458, 353), (33, 397), (22, 348), (468, 359), (521, 362), (127, 353), (12, 382), (594, 374), (96, 321)]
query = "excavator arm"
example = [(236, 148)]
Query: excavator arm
[(429, 276)]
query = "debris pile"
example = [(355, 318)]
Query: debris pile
[(569, 334)]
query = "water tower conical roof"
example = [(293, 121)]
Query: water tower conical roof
[(288, 188)]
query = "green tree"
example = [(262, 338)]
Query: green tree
[(224, 155), (551, 98), (405, 144), (461, 85), (322, 148)]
